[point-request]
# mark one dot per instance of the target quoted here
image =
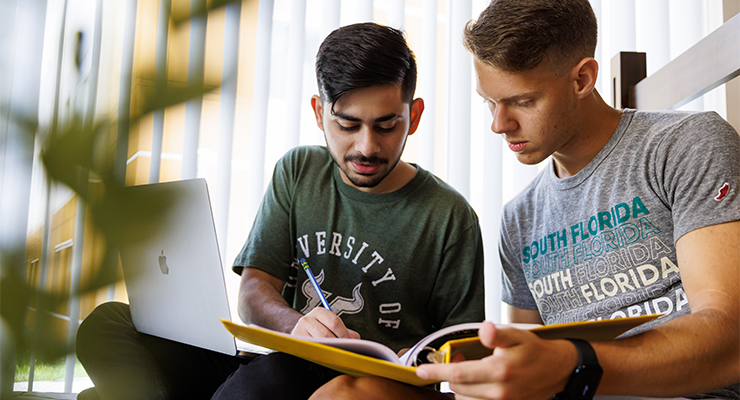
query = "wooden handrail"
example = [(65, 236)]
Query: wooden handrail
[(711, 62)]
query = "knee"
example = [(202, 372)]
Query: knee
[(341, 387), (94, 331), (366, 387), (373, 387)]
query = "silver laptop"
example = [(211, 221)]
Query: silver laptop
[(172, 266)]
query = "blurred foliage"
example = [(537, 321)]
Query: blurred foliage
[(76, 155), (47, 371)]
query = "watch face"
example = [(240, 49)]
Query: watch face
[(584, 381)]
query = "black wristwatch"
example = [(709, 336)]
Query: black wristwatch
[(585, 378)]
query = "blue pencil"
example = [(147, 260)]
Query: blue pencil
[(316, 287)]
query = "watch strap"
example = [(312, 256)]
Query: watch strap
[(585, 352), (586, 376)]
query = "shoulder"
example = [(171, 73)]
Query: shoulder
[(439, 192), (671, 118), (681, 137), (434, 183), (668, 125), (303, 166), (305, 154), (523, 204), (303, 158)]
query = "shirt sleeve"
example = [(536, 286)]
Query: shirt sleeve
[(268, 246), (698, 170), (458, 295)]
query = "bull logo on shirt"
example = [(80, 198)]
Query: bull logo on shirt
[(340, 305)]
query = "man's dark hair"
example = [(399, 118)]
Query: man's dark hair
[(363, 55), (519, 35)]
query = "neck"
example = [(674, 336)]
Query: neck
[(399, 177), (595, 124)]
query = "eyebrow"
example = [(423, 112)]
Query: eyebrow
[(510, 98), (382, 118)]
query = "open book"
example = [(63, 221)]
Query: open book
[(359, 357)]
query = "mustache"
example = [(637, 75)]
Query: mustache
[(365, 160)]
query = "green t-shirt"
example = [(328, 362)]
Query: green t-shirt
[(394, 266)]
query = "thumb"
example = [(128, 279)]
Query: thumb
[(492, 336)]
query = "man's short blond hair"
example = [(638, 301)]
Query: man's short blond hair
[(519, 35)]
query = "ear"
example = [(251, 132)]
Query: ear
[(585, 74), (417, 108), (318, 111)]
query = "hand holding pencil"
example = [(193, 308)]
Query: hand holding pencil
[(321, 321)]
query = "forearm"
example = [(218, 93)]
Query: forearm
[(691, 354), (268, 311), (262, 304), (696, 352)]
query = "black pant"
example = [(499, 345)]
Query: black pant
[(277, 376), (126, 364)]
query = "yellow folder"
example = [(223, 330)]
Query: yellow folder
[(356, 362)]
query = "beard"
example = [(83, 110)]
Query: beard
[(362, 180), (366, 181)]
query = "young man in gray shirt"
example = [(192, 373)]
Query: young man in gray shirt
[(637, 213)]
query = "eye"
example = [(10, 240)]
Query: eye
[(524, 103), (385, 130), (348, 128)]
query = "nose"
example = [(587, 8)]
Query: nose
[(502, 121), (366, 142)]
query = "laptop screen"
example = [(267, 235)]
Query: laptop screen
[(172, 266)]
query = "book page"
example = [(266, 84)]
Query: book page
[(267, 338), (344, 361), (359, 346)]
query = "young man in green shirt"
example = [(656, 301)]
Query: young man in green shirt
[(396, 251)]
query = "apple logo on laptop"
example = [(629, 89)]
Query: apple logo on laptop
[(163, 264)]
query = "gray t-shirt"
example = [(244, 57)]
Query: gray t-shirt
[(601, 244), (394, 266)]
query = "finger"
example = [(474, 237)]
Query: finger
[(487, 334), (457, 372), (460, 396), (457, 357), (503, 336), (320, 329), (334, 324), (321, 322), (469, 379), (489, 369), (309, 326), (475, 391), (466, 372)]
